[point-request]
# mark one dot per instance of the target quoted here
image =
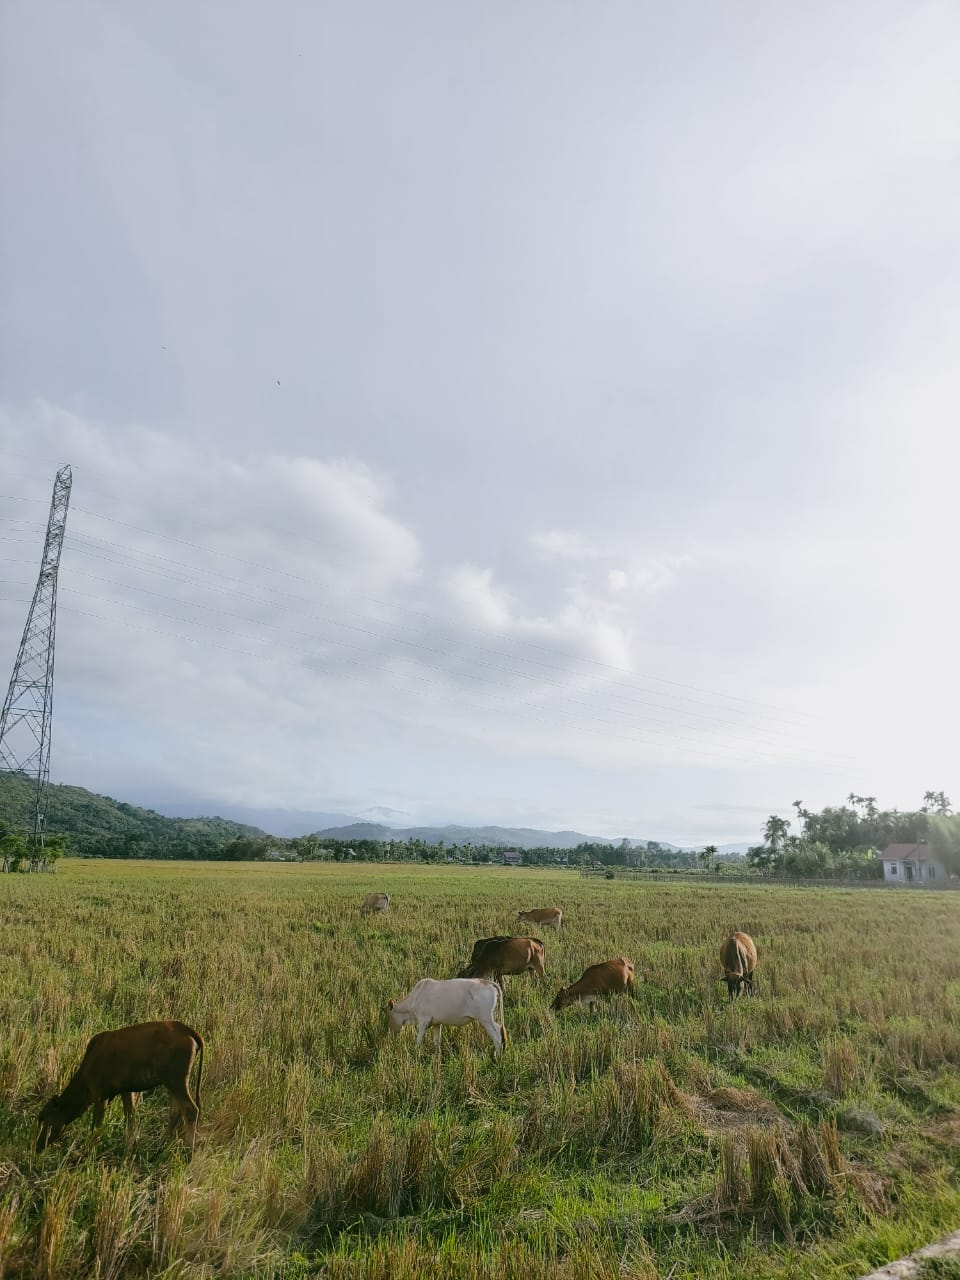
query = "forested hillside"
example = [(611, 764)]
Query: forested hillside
[(98, 825)]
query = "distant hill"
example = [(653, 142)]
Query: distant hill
[(505, 837), (279, 822), (99, 824)]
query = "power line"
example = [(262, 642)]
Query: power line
[(526, 643), (139, 567), (567, 722), (741, 730), (736, 739), (220, 612), (433, 618), (763, 730)]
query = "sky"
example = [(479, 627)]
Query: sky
[(541, 414)]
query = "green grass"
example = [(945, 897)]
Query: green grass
[(675, 1135)]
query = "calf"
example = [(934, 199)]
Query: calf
[(451, 1002), (598, 982), (738, 959), (126, 1062), (494, 957), (374, 902), (543, 915)]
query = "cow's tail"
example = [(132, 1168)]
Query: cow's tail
[(198, 1041), (498, 1005)]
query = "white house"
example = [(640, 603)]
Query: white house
[(912, 864)]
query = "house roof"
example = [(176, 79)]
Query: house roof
[(897, 852)]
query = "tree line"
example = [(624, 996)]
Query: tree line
[(838, 841), (848, 839)]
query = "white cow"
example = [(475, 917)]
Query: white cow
[(450, 1002)]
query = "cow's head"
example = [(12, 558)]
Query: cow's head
[(398, 1019), (53, 1119), (735, 982), (562, 999)]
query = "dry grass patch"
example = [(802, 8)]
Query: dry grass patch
[(326, 1148)]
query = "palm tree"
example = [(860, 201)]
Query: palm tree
[(938, 801), (775, 832)]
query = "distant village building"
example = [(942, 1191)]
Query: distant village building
[(511, 857), (912, 864)]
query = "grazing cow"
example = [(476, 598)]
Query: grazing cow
[(374, 902), (599, 981), (543, 915), (494, 957), (738, 959), (450, 1002), (129, 1061)]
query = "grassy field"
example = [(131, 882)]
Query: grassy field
[(813, 1131)]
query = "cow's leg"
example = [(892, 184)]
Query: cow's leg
[(422, 1029), (184, 1112), (493, 1031), (749, 981), (128, 1100), (96, 1120), (437, 1032)]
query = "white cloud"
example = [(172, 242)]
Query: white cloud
[(480, 603), (650, 574), (558, 544)]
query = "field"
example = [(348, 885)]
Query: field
[(813, 1131)]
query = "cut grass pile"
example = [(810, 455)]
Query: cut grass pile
[(811, 1131)]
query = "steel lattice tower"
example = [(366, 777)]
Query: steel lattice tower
[(27, 715)]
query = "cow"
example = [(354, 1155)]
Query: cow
[(598, 982), (374, 902), (129, 1061), (738, 959), (495, 957), (450, 1002), (543, 915)]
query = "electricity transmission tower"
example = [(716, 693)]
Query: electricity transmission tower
[(28, 707)]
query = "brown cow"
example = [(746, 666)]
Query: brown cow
[(374, 902), (495, 957), (599, 981), (543, 915), (738, 959), (129, 1061)]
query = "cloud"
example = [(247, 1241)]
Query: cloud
[(557, 544), (650, 574), (480, 603)]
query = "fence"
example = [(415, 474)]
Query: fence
[(759, 878)]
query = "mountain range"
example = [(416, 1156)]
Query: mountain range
[(85, 814)]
